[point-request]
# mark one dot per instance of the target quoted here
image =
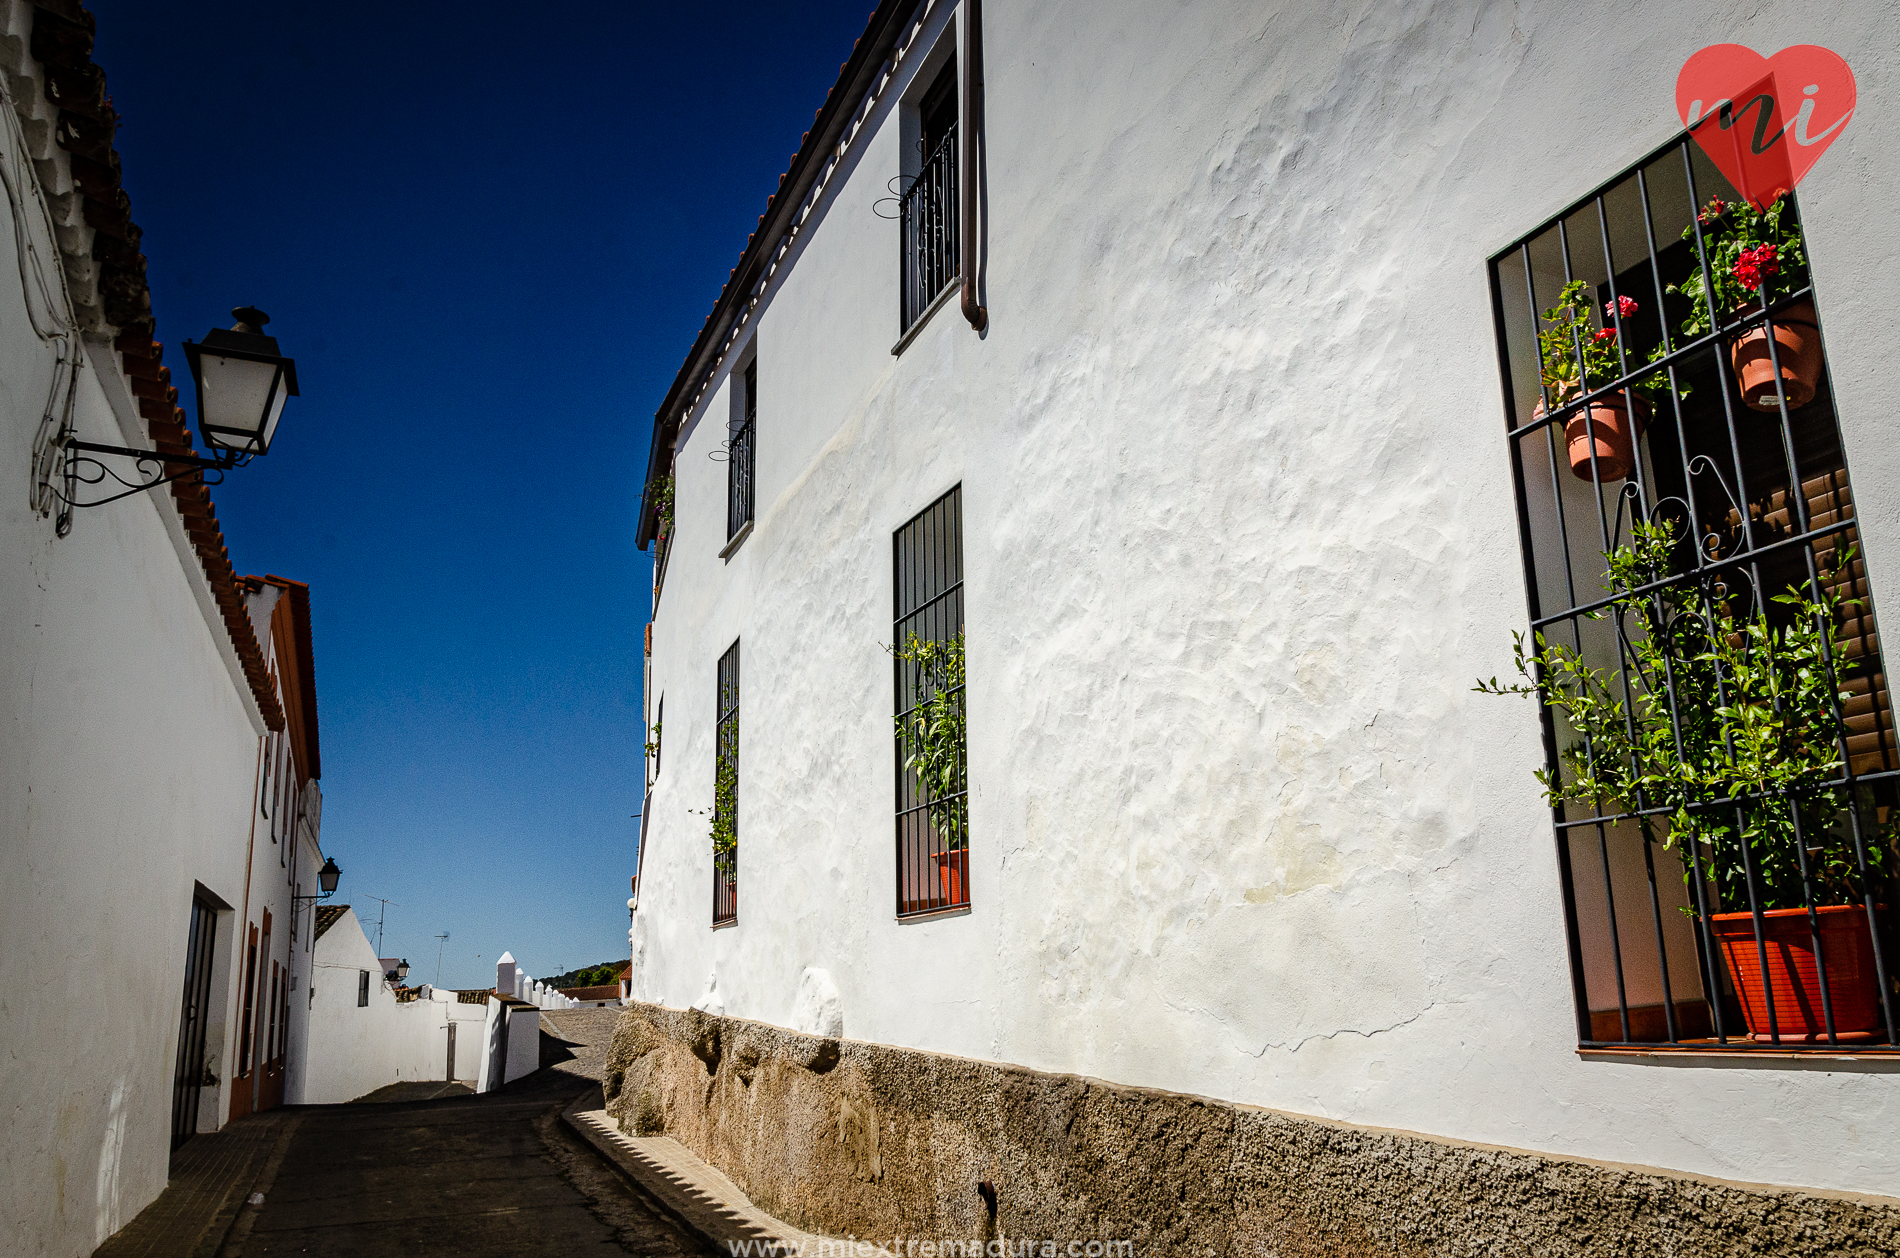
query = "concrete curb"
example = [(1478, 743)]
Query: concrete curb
[(704, 1201)]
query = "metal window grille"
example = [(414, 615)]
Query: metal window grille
[(739, 458), (189, 1067), (929, 222), (250, 1000), (932, 826), (726, 801), (362, 988), (1664, 930)]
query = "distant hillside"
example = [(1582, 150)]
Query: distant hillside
[(601, 975)]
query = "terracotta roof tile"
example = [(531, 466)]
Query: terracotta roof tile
[(62, 42)]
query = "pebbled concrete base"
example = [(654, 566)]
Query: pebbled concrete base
[(867, 1140)]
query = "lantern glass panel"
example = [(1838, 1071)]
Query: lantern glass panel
[(276, 413), (239, 399)]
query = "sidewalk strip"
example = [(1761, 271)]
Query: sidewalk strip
[(695, 1192)]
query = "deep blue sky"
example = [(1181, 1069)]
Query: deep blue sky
[(488, 234)]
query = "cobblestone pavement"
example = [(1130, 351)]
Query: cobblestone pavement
[(465, 1176), (210, 1177)]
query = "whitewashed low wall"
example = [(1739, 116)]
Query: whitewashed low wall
[(355, 1049), (511, 1043), (512, 980)]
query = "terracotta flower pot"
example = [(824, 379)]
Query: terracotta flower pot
[(1797, 345), (1612, 424), (1847, 957), (953, 873)]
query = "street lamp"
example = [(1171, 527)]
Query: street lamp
[(242, 385), (326, 881), (401, 971)]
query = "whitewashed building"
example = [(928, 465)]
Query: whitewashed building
[(366, 1032), (159, 808), (1179, 358)]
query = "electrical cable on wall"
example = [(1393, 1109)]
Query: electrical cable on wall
[(56, 421)]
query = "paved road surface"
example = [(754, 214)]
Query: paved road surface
[(464, 1176)]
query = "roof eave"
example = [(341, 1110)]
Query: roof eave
[(855, 77)]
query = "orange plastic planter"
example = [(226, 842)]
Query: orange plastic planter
[(1847, 949), (1797, 345), (1611, 425), (953, 871)]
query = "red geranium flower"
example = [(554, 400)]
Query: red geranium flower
[(1756, 264), (1605, 334), (1625, 306), (1716, 208)]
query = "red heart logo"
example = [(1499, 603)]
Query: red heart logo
[(1764, 121)]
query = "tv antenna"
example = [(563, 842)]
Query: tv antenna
[(443, 939), (379, 921)]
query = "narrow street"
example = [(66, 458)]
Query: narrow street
[(453, 1175)]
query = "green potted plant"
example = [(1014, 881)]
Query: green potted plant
[(1576, 357), (1756, 255), (1712, 706), (725, 825), (663, 510), (932, 737)]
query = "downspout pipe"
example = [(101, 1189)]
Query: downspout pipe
[(970, 63)]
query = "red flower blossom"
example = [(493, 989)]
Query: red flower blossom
[(1625, 306), (1716, 208), (1756, 264), (1605, 334)]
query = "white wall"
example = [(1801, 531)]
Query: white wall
[(511, 1040), (353, 1049), (1239, 534), (524, 1043), (127, 754), (308, 859)]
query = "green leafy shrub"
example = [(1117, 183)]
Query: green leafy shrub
[(725, 809), (932, 732), (1740, 774)]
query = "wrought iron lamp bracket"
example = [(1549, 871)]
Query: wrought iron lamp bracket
[(82, 466)]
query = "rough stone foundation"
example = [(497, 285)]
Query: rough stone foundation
[(871, 1141)]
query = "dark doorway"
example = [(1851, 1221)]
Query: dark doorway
[(450, 1075), (188, 1071)]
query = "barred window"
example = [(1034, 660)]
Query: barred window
[(362, 988), (933, 833), (1720, 753), (725, 811), (928, 215), (659, 734), (739, 458)]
